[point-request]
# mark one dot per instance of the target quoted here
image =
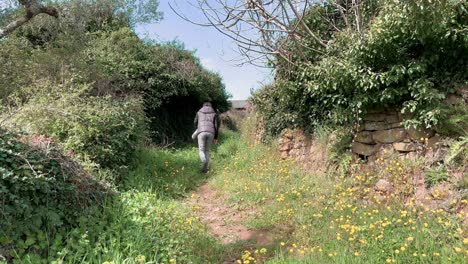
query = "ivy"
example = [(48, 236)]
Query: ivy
[(40, 189)]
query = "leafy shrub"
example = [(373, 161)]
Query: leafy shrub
[(102, 130), (410, 57), (339, 151), (458, 152), (41, 191), (93, 43), (171, 78), (456, 122), (436, 175), (112, 62)]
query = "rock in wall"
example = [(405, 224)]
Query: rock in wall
[(383, 131), (296, 144)]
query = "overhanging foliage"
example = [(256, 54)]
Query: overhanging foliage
[(411, 56)]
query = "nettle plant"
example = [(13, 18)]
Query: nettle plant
[(410, 56)]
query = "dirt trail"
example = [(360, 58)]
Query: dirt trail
[(224, 221)]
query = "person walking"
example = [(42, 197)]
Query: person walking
[(207, 122)]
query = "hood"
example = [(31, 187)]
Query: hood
[(207, 109)]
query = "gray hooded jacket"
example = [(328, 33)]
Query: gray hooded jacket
[(207, 120)]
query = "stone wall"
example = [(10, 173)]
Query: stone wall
[(296, 144), (379, 134), (384, 131)]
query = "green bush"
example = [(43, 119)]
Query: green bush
[(94, 44), (456, 122), (102, 130), (171, 78), (436, 175), (410, 56), (41, 191), (458, 153)]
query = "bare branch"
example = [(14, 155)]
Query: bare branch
[(315, 37), (277, 30), (357, 14)]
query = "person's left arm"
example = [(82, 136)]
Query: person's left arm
[(195, 122), (217, 124)]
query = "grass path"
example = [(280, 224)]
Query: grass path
[(252, 207), (226, 221), (307, 218)]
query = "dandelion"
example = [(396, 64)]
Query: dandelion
[(457, 249), (141, 259), (409, 239), (397, 251), (172, 261), (357, 254)]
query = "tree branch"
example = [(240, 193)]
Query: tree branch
[(32, 8)]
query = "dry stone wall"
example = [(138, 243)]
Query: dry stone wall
[(379, 134), (296, 144), (384, 131)]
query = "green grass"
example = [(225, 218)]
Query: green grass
[(144, 221), (325, 219), (317, 219), (167, 173)]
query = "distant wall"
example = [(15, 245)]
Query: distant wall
[(298, 145)]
